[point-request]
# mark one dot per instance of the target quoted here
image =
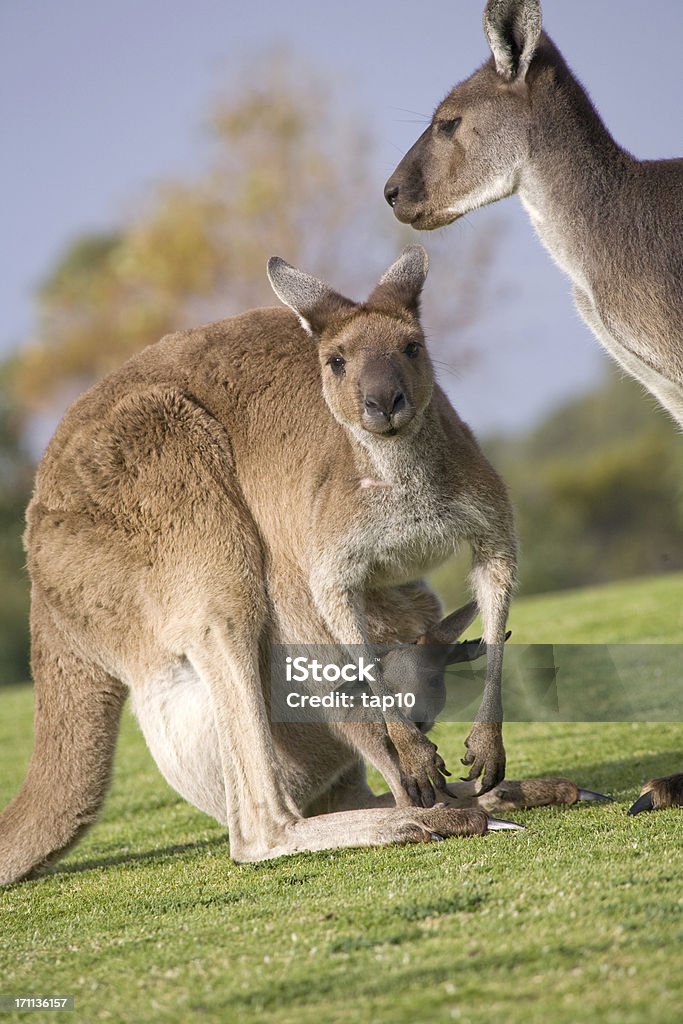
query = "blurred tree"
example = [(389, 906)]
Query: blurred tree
[(598, 491), (16, 472), (280, 181)]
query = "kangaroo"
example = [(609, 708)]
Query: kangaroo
[(283, 475), (523, 124)]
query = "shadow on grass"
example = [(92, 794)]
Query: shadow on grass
[(627, 774), (335, 978), (149, 856)]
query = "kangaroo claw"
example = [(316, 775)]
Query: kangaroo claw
[(499, 824), (435, 837), (643, 803), (588, 794)]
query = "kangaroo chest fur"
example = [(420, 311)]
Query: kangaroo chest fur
[(417, 513)]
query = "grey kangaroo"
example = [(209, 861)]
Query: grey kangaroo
[(286, 475), (523, 124)]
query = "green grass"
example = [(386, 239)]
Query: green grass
[(646, 611), (577, 919)]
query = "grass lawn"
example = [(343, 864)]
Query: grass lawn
[(578, 919)]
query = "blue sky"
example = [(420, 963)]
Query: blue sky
[(98, 100)]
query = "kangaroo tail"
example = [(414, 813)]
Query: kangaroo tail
[(77, 715)]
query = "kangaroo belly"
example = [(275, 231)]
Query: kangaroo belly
[(175, 713), (669, 394), (667, 391)]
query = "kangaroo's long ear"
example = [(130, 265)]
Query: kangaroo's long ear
[(314, 302), (450, 628), (513, 28), (402, 284)]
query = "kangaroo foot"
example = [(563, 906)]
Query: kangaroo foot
[(659, 793)]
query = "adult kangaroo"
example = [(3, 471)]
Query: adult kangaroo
[(523, 124), (241, 485)]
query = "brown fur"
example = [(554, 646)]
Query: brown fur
[(659, 793), (612, 222), (205, 501)]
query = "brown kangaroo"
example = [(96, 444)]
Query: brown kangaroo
[(523, 124), (241, 485)]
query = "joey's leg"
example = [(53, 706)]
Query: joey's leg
[(493, 578), (421, 768)]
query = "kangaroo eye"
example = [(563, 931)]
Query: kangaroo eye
[(336, 364), (412, 350), (447, 128)]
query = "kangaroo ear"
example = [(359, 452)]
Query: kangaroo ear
[(450, 628), (513, 28), (402, 284), (443, 638), (314, 302)]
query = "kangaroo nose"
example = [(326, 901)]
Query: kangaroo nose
[(397, 402), (385, 405), (374, 406), (391, 194)]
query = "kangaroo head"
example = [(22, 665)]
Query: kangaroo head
[(473, 151), (419, 668), (376, 375)]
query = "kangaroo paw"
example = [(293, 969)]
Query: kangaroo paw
[(658, 793)]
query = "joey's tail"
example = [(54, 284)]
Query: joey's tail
[(77, 715)]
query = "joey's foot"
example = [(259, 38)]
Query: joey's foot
[(421, 766), (485, 754)]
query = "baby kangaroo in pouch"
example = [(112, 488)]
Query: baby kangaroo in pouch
[(283, 476)]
